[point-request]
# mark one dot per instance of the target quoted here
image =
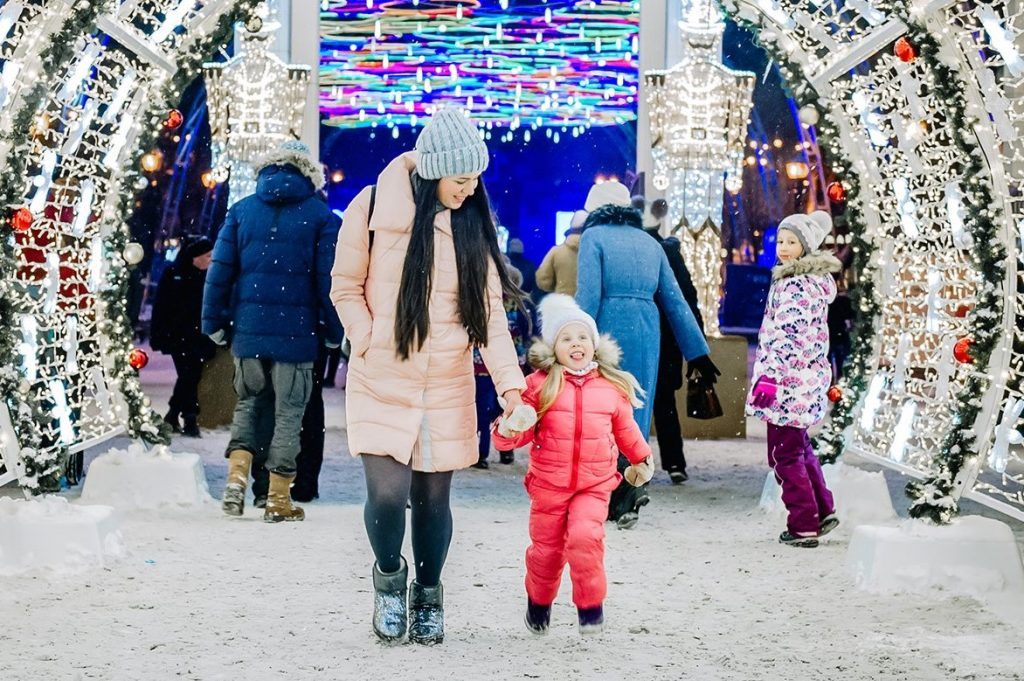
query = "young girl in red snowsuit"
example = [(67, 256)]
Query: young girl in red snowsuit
[(584, 406)]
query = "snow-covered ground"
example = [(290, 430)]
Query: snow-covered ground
[(700, 590)]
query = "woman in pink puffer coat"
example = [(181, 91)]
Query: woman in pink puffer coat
[(585, 407)]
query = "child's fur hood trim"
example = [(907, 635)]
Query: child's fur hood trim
[(614, 215), (607, 356), (813, 263)]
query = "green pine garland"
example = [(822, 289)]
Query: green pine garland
[(29, 406), (830, 441), (143, 422), (934, 498)]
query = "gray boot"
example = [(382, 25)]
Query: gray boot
[(390, 617), (427, 606)]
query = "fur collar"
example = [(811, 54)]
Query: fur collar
[(615, 215), (608, 355), (305, 164), (814, 263)]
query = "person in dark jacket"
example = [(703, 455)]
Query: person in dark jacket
[(521, 323), (840, 316), (670, 367), (306, 486), (516, 255), (267, 293), (176, 329)]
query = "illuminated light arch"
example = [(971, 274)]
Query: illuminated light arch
[(933, 141), (102, 87)]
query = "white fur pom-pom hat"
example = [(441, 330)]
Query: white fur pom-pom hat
[(556, 311)]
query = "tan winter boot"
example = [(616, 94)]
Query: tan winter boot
[(279, 501), (239, 463)]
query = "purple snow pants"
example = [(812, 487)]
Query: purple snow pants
[(798, 472)]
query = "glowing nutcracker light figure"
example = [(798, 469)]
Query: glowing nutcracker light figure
[(256, 102), (699, 111)]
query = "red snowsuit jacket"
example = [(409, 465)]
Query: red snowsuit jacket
[(577, 441)]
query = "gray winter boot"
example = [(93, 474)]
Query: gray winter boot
[(427, 606), (390, 617)]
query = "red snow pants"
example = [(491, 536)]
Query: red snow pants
[(567, 526)]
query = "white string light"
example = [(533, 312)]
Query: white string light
[(256, 101), (699, 114)]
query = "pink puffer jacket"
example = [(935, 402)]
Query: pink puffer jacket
[(577, 441), (420, 411)]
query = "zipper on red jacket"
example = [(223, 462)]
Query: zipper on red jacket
[(577, 437)]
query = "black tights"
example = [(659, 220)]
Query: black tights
[(389, 485)]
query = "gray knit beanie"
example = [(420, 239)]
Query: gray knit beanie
[(450, 145), (810, 230)]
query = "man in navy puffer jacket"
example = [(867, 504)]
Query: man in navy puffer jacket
[(267, 293)]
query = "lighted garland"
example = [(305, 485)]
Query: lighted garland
[(934, 498), (830, 442), (29, 407), (143, 422)]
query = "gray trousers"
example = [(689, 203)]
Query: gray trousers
[(272, 398)]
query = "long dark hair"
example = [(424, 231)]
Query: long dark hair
[(476, 248)]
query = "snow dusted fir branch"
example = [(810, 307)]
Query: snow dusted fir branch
[(144, 423), (830, 441), (936, 497), (30, 408)]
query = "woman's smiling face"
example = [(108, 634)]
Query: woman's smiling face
[(453, 191)]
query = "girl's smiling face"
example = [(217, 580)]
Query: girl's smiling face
[(574, 346), (788, 246)]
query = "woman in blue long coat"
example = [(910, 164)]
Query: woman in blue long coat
[(624, 277)]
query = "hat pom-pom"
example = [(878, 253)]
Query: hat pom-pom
[(556, 304)]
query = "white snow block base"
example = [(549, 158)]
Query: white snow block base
[(141, 479), (861, 497), (973, 556), (48, 532)]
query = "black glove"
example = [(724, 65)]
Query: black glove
[(703, 365)]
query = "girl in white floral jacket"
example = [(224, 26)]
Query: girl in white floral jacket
[(792, 373)]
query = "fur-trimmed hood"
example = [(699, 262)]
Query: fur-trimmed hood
[(304, 163), (813, 263), (608, 354), (615, 215)]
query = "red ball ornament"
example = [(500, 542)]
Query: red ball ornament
[(22, 220), (138, 359), (835, 393), (174, 119), (905, 50), (962, 351), (836, 192)]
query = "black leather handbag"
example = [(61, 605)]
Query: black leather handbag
[(702, 401)]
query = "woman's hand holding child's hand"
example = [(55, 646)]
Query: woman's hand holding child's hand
[(639, 473), (509, 400), (521, 419)]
